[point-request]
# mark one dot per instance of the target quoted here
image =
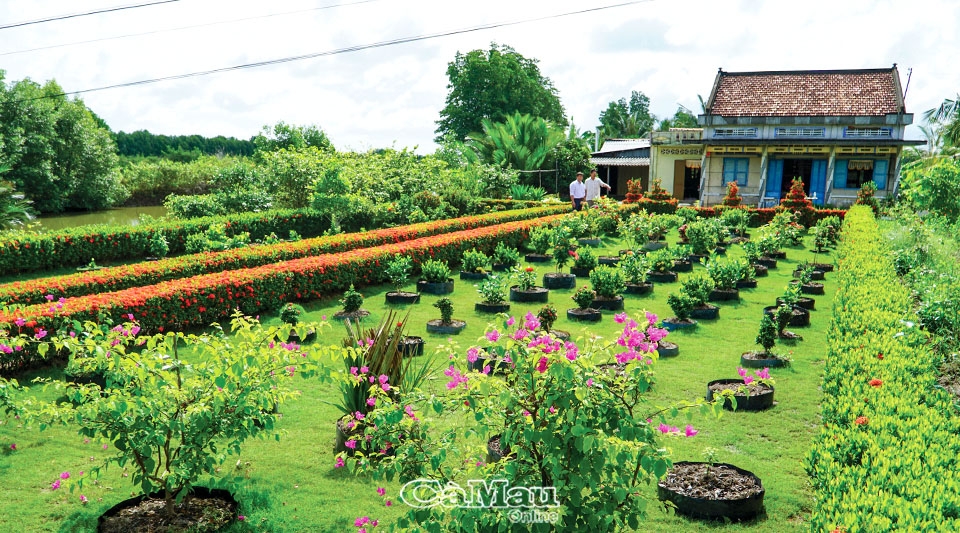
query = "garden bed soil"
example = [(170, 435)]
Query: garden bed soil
[(450, 328), (584, 315), (403, 297), (761, 359), (727, 492), (608, 304), (639, 289), (204, 510), (538, 258), (559, 280), (484, 307), (359, 314)]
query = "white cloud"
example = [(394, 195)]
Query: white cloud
[(386, 96)]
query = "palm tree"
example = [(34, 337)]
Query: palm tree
[(522, 142), (947, 119)]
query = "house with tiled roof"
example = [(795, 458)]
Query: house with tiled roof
[(834, 129), (619, 160)]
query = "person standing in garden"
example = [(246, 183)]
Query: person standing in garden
[(578, 190), (594, 184)]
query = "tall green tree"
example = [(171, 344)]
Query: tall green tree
[(14, 207), (521, 142), (60, 157), (627, 120), (291, 137), (680, 119), (946, 119), (491, 85)]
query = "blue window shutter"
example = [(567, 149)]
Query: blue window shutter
[(774, 179), (818, 180), (743, 169), (840, 175), (880, 173)]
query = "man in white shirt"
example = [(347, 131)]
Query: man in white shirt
[(578, 190), (594, 184)]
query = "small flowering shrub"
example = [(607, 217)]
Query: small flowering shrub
[(547, 315), (564, 247), (540, 240), (607, 281), (526, 278), (493, 290), (474, 260), (661, 260), (398, 271), (434, 271), (505, 255), (583, 297), (352, 300), (585, 258), (554, 411), (698, 288), (291, 313), (634, 267), (702, 236)]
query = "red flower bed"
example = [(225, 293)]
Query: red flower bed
[(201, 300), (140, 274)]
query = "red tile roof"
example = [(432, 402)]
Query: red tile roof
[(869, 92)]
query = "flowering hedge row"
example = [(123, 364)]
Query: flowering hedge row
[(764, 215), (202, 300), (126, 276), (76, 246), (887, 456)]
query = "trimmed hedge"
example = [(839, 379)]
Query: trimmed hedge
[(202, 300), (126, 276), (887, 456), (763, 215)]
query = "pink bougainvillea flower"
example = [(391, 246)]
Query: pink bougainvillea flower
[(620, 318), (361, 521), (747, 380), (651, 318), (372, 401), (388, 503), (65, 475), (742, 372), (520, 334), (358, 415), (381, 491), (49, 297), (542, 364), (552, 410), (690, 432), (763, 373), (353, 370), (352, 444), (41, 333), (364, 369), (83, 499), (589, 382), (55, 485), (493, 336), (20, 322), (241, 518), (339, 463), (663, 428), (456, 378), (409, 410), (511, 321), (472, 354)]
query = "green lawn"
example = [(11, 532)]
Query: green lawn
[(292, 485)]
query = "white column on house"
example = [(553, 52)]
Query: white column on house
[(831, 164), (764, 164)]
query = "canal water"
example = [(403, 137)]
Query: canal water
[(129, 216)]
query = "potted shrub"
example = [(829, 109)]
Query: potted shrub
[(635, 267), (472, 265), (767, 339), (798, 317), (583, 227), (563, 252), (661, 263), (681, 261), (711, 490), (749, 393), (792, 296), (547, 315), (702, 237), (398, 272), (681, 304), (351, 303), (583, 297), (583, 262), (769, 248), (446, 324), (504, 257), (493, 294), (725, 274), (699, 288), (526, 289), (745, 273), (291, 314), (435, 277), (805, 275), (608, 284), (737, 220), (753, 255), (540, 242)]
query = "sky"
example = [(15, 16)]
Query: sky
[(391, 96)]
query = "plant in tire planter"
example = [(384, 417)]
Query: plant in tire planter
[(159, 423), (754, 255), (767, 339), (493, 294), (583, 262), (398, 272), (526, 290), (583, 312), (351, 303), (805, 275), (635, 267), (712, 491), (698, 288), (504, 257), (291, 314), (682, 305), (435, 277), (539, 242), (446, 324), (608, 284), (554, 411), (472, 265), (564, 250), (702, 237), (725, 274), (750, 393), (738, 220), (661, 263)]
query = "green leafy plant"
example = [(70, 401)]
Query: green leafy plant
[(698, 288), (352, 300), (821, 237), (661, 261), (474, 261), (158, 245), (398, 271), (547, 315), (434, 271), (767, 335), (585, 259), (526, 278), (445, 305), (505, 255), (702, 236), (635, 267), (564, 247), (791, 294), (493, 290), (608, 282), (215, 239), (681, 304), (527, 192), (725, 272), (291, 313), (540, 240), (583, 297), (738, 220)]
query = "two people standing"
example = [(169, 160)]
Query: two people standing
[(588, 190)]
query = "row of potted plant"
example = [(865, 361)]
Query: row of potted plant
[(122, 277)]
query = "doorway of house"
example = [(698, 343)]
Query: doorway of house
[(691, 182), (796, 168)]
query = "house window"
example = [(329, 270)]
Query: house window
[(868, 133), (859, 171), (735, 169), (800, 132), (735, 132)]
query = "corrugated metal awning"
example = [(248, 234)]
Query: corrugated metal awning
[(621, 161)]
